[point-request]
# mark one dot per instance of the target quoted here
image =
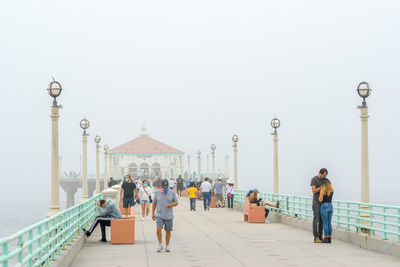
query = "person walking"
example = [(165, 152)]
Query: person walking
[(206, 190), (145, 199), (325, 198), (112, 182), (230, 193), (107, 211), (180, 186), (163, 202), (219, 193), (192, 196), (316, 182), (128, 193)]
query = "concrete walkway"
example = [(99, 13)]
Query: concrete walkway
[(220, 238)]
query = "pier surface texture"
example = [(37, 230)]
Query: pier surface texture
[(221, 238)]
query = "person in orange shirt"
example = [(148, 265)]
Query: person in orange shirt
[(192, 196)]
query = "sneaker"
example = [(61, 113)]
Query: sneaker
[(277, 205), (102, 240), (167, 249), (160, 248), (143, 218)]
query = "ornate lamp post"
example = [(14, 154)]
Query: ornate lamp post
[(275, 123), (208, 165), (188, 159), (364, 91), (105, 166), (199, 163), (235, 139), (97, 140), (84, 125), (213, 147), (54, 91)]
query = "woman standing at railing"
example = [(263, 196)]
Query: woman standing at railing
[(230, 193), (325, 198)]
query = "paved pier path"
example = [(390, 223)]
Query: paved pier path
[(220, 238)]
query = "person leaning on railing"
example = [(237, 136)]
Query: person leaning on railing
[(253, 198), (325, 198)]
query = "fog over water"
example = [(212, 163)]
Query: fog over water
[(196, 73)]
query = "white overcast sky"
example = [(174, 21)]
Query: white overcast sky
[(196, 72)]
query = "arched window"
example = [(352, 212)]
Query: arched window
[(132, 171), (144, 170), (155, 170)]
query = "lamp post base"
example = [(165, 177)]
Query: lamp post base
[(84, 199), (53, 211)]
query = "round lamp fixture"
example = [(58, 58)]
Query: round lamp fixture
[(213, 147), (106, 148), (97, 139), (235, 138), (84, 125), (364, 91), (54, 90)]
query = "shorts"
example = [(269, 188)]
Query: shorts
[(126, 202), (144, 201), (219, 197), (166, 224)]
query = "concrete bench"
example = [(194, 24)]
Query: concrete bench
[(253, 213), (123, 230)]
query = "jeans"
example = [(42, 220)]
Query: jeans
[(317, 221), (230, 202), (193, 204), (206, 199), (326, 215)]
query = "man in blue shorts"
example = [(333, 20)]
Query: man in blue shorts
[(164, 200)]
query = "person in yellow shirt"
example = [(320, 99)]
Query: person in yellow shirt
[(192, 196)]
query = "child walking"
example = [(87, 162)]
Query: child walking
[(192, 196)]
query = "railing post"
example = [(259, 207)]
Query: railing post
[(384, 223), (348, 215), (5, 253)]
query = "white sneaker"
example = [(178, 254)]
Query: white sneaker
[(143, 218), (167, 249), (160, 248)]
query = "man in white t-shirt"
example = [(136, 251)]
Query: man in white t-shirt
[(206, 190)]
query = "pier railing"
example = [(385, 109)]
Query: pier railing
[(380, 220), (38, 244)]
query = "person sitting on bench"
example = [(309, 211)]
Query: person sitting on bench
[(253, 198), (107, 212)]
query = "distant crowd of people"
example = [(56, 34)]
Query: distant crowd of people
[(163, 194)]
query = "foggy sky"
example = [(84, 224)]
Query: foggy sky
[(196, 72)]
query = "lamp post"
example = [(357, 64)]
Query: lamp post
[(275, 123), (181, 166), (364, 91), (105, 166), (84, 125), (97, 140), (188, 158), (208, 165), (213, 147), (199, 163), (54, 89), (235, 139), (112, 166)]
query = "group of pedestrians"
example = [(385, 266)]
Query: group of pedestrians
[(165, 198)]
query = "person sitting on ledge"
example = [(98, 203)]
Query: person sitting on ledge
[(253, 198), (107, 212)]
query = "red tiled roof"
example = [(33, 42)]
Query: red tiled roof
[(145, 144)]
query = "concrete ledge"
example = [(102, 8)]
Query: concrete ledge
[(68, 255)]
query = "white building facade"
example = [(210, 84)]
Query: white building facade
[(147, 158)]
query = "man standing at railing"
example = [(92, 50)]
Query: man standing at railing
[(316, 182)]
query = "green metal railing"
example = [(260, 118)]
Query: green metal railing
[(38, 244), (380, 220)]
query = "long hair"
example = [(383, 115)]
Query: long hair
[(326, 187), (253, 197)]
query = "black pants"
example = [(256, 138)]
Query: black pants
[(103, 221), (317, 221)]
